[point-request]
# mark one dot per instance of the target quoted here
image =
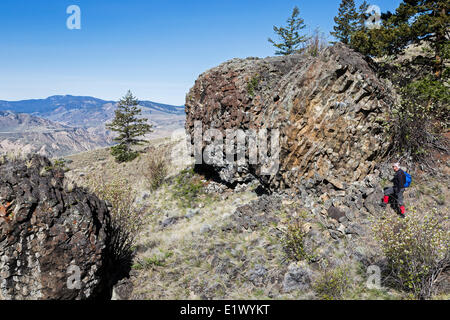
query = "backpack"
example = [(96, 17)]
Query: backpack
[(408, 179)]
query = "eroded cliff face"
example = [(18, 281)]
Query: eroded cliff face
[(327, 109), (53, 237)]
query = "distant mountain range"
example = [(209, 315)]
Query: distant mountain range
[(84, 111), (24, 133), (62, 125), (12, 122)]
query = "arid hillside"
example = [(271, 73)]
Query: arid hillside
[(202, 240)]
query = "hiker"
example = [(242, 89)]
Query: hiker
[(398, 188)]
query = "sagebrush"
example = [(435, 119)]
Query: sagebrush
[(157, 166), (417, 251), (293, 240), (333, 283)]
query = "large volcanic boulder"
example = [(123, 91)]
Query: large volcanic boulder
[(328, 110), (51, 235)]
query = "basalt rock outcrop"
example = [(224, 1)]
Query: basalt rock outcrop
[(328, 110), (53, 237)]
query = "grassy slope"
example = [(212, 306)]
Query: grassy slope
[(199, 258)]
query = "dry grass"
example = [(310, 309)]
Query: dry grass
[(100, 161), (194, 258), (157, 166)]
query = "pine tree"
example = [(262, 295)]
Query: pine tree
[(290, 36), (346, 21), (421, 79), (129, 128), (416, 21), (362, 15), (372, 42)]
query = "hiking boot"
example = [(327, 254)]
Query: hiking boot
[(385, 201)]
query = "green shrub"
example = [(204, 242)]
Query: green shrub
[(417, 251), (333, 284), (137, 266), (294, 241), (252, 85), (61, 164), (187, 188), (58, 165), (154, 261)]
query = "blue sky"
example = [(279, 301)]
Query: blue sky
[(155, 48)]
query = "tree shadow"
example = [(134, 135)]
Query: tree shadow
[(117, 261)]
